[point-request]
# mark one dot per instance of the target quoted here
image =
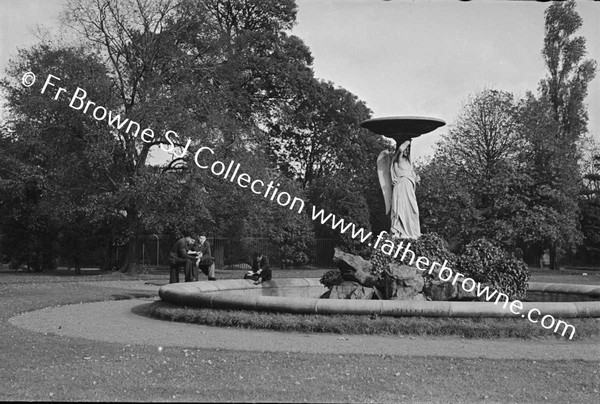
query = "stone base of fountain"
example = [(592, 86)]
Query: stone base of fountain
[(300, 296), (396, 282)]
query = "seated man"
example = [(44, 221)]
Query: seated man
[(260, 269), (204, 259), (180, 257)]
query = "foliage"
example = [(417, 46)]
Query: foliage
[(435, 248), (589, 203), (490, 265), (553, 153), (332, 278), (317, 134), (236, 212), (379, 259), (484, 135), (553, 181), (429, 245), (480, 260), (473, 187), (338, 196), (290, 230), (569, 74), (53, 170)]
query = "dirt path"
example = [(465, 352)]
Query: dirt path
[(123, 322)]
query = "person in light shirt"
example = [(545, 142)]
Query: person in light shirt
[(204, 259)]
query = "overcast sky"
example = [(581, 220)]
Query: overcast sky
[(401, 57)]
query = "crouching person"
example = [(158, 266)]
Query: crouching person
[(260, 269)]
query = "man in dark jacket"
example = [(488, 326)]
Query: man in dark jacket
[(181, 255), (260, 269)]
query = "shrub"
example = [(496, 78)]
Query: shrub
[(332, 278), (380, 260), (434, 248), (429, 245), (488, 264)]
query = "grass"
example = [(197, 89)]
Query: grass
[(566, 276), (353, 324)]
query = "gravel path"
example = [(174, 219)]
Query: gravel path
[(123, 322)]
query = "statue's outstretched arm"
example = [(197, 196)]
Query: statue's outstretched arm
[(385, 177)]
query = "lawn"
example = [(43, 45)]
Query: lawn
[(35, 366)]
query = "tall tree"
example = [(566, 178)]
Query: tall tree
[(554, 181), (472, 187), (129, 35), (56, 163), (208, 70), (484, 138), (569, 74), (318, 133), (553, 139)]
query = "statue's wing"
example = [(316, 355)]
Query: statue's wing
[(385, 177)]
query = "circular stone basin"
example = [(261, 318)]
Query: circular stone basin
[(301, 295), (401, 128)]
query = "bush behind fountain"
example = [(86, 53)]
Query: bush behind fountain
[(489, 264)]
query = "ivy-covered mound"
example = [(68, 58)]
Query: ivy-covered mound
[(480, 260), (429, 245), (331, 278), (491, 265)]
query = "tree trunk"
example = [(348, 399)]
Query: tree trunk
[(129, 257), (110, 260), (553, 257), (128, 261)]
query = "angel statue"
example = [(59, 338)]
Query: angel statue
[(397, 179)]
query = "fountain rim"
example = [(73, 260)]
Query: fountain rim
[(210, 294)]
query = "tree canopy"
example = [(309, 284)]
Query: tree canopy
[(219, 73)]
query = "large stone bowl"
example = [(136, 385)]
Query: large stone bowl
[(401, 128)]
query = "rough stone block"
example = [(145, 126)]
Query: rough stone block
[(351, 290), (401, 282), (355, 268), (403, 272), (415, 283), (419, 297), (403, 293), (441, 291)]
